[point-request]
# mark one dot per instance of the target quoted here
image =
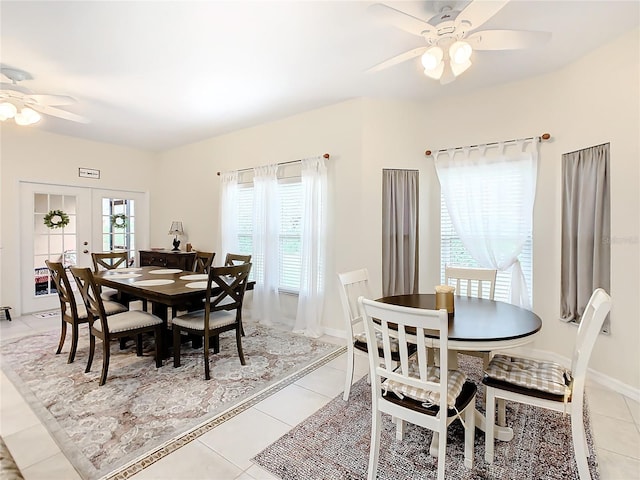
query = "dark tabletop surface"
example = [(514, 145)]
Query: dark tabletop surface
[(477, 319)]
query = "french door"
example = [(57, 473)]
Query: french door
[(65, 224)]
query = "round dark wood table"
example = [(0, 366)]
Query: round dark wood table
[(478, 324)]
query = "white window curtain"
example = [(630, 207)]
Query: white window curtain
[(266, 229), (314, 225), (229, 213), (470, 189)]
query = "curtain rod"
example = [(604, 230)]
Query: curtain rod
[(544, 136), (326, 155)]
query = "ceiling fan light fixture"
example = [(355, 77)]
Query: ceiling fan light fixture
[(7, 110), (432, 59), (458, 68), (437, 73), (460, 53), (27, 116)]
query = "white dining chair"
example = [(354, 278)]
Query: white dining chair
[(415, 391), (473, 282), (353, 285), (546, 384)]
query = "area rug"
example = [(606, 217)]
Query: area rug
[(334, 444), (142, 413)]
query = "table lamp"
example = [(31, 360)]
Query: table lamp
[(176, 229)]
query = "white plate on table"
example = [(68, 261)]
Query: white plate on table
[(195, 277), (165, 271), (153, 283), (125, 270), (196, 285), (126, 275)]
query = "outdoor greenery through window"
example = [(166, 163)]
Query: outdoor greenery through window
[(290, 243), (453, 253)]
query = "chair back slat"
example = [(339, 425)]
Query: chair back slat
[(236, 259), (353, 285), (109, 260), (408, 325), (472, 282), (91, 296), (68, 304), (231, 283), (591, 322), (203, 261)]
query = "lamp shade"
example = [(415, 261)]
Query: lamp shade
[(176, 228)]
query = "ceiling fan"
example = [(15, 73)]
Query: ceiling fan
[(452, 35), (24, 106)]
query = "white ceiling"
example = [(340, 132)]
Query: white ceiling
[(160, 74)]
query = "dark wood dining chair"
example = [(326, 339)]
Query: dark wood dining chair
[(203, 261), (106, 328), (236, 258), (109, 260), (72, 312), (226, 287)]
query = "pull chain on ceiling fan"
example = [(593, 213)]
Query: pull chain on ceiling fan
[(452, 37), (24, 106)]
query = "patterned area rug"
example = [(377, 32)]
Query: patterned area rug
[(142, 413), (334, 444)]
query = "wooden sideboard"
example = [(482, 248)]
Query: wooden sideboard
[(168, 259)]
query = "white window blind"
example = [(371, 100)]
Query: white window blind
[(453, 253), (289, 253)]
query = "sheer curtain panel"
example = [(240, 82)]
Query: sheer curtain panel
[(229, 213), (399, 232), (266, 230), (314, 225), (586, 246), (472, 188)]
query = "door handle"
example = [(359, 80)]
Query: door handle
[(85, 251), (85, 243)]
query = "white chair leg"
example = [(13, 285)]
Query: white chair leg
[(435, 442), (399, 429), (376, 425), (442, 453), (502, 412), (580, 447), (490, 418), (349, 380), (469, 434)]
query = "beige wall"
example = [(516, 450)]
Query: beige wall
[(577, 105), (593, 101), (30, 154)]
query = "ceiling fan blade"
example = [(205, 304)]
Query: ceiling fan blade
[(403, 57), (57, 112), (398, 18), (53, 99), (506, 39), (479, 11)]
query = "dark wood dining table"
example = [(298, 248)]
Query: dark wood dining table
[(185, 288), (480, 325)]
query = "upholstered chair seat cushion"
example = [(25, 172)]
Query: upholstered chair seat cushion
[(110, 308), (195, 320), (129, 320), (540, 375), (456, 381)]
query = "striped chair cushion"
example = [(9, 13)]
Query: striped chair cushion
[(362, 338), (535, 374), (455, 383)]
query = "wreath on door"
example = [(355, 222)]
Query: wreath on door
[(56, 219), (119, 220)]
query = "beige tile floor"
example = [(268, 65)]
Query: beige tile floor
[(225, 452)]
